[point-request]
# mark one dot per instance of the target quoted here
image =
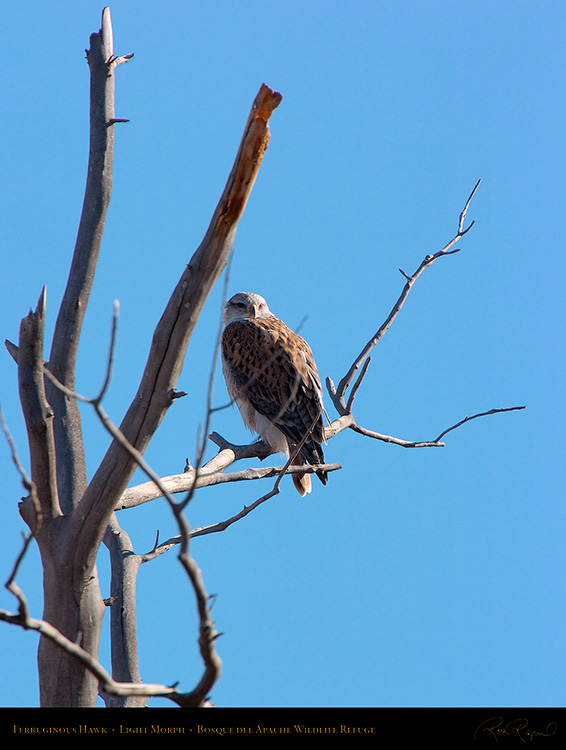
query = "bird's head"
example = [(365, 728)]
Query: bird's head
[(245, 306)]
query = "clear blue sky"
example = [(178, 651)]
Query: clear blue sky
[(431, 577)]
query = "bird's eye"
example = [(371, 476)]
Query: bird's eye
[(240, 304)]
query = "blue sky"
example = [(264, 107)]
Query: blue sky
[(429, 577)]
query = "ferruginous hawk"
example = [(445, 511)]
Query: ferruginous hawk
[(271, 375)]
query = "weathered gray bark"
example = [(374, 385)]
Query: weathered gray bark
[(123, 630), (72, 600), (71, 473), (71, 517)]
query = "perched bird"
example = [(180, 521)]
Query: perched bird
[(271, 375)]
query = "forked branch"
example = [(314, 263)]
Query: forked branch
[(213, 472), (346, 419), (156, 391), (338, 394), (208, 634)]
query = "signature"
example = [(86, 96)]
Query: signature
[(496, 728)]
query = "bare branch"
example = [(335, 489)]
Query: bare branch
[(396, 441), (115, 432), (114, 61), (208, 635), (461, 229), (37, 411), (232, 452), (475, 416), (171, 337), (184, 483), (24, 620), (106, 683), (124, 564), (30, 509), (73, 606), (71, 475), (26, 481), (357, 384), (338, 395), (347, 421), (210, 391), (98, 191), (110, 361)]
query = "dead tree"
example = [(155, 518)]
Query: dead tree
[(70, 517)]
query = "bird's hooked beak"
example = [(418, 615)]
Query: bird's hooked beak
[(254, 311)]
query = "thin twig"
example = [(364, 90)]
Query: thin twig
[(26, 480), (475, 416), (35, 522), (461, 229), (357, 384), (211, 380), (338, 394), (110, 361)]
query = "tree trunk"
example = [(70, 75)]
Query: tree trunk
[(74, 607), (68, 517)]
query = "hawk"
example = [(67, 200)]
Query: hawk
[(271, 375)]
